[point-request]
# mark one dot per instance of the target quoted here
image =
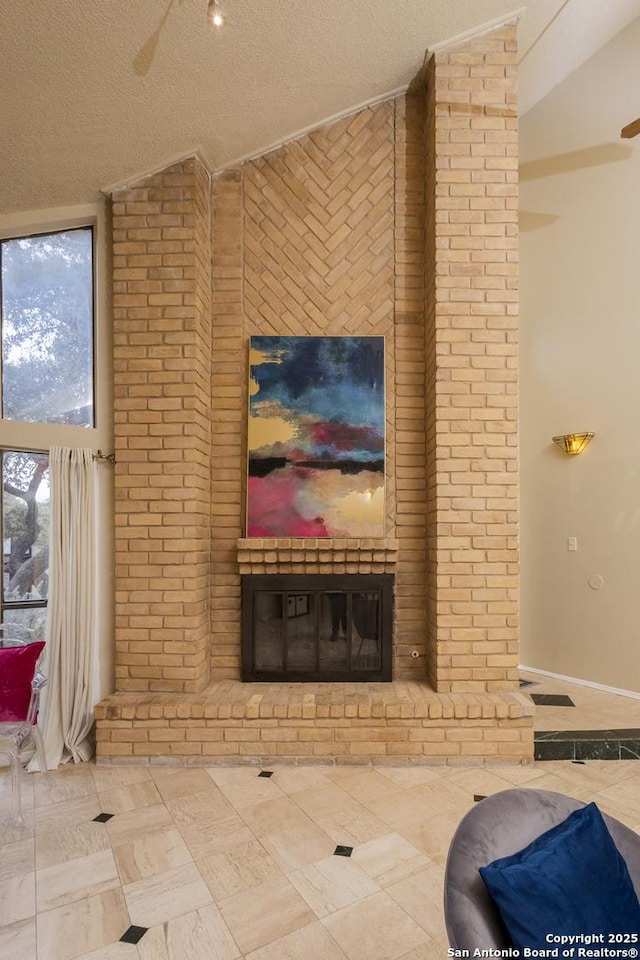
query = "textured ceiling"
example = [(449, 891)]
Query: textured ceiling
[(92, 95)]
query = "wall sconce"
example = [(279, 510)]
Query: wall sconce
[(215, 15), (573, 443)]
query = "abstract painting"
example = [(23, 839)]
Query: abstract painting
[(316, 437)]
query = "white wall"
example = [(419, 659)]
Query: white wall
[(36, 436), (580, 370)]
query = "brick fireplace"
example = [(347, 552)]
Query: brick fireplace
[(398, 221)]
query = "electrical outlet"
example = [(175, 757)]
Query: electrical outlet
[(572, 543)]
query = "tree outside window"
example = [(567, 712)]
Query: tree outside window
[(47, 328)]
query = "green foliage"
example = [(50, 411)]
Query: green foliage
[(47, 328)]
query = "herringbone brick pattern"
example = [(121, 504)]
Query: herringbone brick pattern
[(319, 231)]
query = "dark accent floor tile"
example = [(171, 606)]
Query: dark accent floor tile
[(597, 749), (529, 683), (552, 700), (581, 745), (133, 934), (266, 773), (479, 796), (554, 750), (103, 817), (342, 851), (630, 735)]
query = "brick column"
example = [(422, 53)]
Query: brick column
[(472, 326), (162, 414)]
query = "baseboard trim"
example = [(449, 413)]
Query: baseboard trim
[(582, 683)]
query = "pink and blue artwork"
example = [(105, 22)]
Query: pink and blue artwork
[(316, 437)]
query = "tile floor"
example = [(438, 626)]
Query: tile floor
[(222, 863), (342, 863), (594, 709)]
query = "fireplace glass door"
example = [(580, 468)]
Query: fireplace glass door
[(317, 627)]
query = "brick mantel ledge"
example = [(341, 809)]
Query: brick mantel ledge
[(282, 555), (234, 722)]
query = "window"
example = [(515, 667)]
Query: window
[(25, 537), (46, 328)]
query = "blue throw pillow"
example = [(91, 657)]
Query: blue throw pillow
[(569, 880)]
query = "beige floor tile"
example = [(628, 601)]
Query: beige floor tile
[(27, 792), (209, 804), (131, 796), (18, 940), (434, 949), (151, 853), (444, 794), (295, 779), (180, 783), (115, 951), (312, 942), (433, 835), (407, 777), (323, 801), (298, 846), (70, 812), (421, 895), (199, 935), (622, 797), (108, 778), (375, 927), (9, 832), (17, 858), (418, 804), (353, 826), (364, 785), (58, 844), (164, 896), (17, 898), (75, 880), (131, 824), (265, 913), (273, 816), (207, 837), (232, 871), (65, 783), (389, 859), (242, 785), (331, 884), (479, 781), (81, 927)]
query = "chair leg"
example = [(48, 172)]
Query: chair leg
[(40, 751), (13, 757)]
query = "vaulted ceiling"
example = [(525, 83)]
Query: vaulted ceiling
[(95, 94)]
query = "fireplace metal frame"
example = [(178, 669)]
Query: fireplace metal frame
[(301, 584)]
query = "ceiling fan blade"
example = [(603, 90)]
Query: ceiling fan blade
[(631, 130)]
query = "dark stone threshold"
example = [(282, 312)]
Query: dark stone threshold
[(587, 744)]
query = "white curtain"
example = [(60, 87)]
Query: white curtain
[(66, 717)]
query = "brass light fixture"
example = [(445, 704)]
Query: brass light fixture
[(573, 443)]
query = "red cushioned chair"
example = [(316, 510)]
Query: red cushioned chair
[(20, 684)]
